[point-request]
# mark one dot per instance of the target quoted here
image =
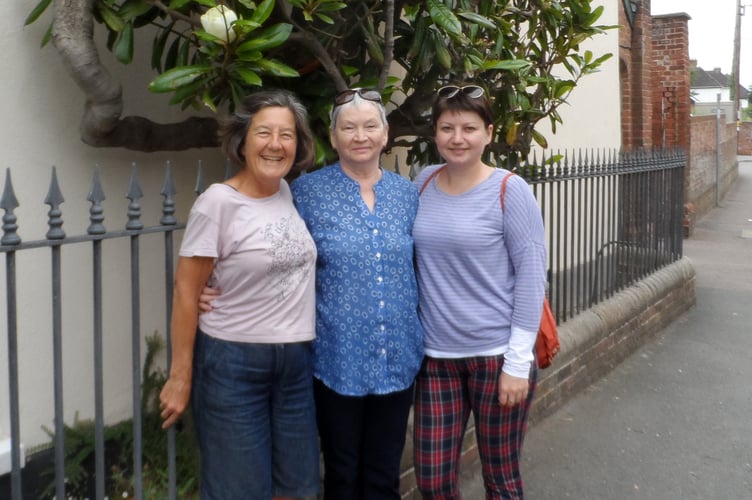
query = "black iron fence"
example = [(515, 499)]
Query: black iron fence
[(96, 234), (611, 220)]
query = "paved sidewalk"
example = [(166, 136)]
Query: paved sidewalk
[(673, 421)]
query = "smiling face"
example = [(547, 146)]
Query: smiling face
[(270, 145), (462, 136), (359, 134)]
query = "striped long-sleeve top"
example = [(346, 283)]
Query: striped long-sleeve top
[(481, 271)]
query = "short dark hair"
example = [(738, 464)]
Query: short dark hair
[(234, 127), (462, 102)]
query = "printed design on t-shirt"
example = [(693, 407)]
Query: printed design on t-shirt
[(291, 252)]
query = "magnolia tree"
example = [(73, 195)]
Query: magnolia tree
[(209, 54)]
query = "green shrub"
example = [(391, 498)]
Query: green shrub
[(80, 447)]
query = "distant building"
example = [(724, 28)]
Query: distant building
[(705, 87)]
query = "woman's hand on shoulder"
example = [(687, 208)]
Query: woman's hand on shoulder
[(208, 294)]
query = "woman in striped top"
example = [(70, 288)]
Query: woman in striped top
[(481, 269)]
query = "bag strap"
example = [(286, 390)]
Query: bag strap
[(504, 189), (433, 174)]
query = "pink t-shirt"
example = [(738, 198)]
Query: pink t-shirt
[(264, 267)]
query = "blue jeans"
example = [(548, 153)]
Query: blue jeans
[(255, 419)]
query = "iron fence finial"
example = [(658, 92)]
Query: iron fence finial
[(54, 199)]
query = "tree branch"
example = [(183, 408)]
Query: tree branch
[(140, 134), (309, 41), (388, 42), (306, 39), (175, 14), (72, 35), (408, 121), (101, 125)]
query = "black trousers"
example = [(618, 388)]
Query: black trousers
[(362, 438)]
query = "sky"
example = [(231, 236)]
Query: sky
[(711, 33)]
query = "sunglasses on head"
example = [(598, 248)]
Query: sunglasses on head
[(348, 95), (471, 91)]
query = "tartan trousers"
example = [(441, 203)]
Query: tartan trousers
[(447, 391)]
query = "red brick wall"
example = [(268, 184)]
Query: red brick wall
[(745, 139), (704, 166)]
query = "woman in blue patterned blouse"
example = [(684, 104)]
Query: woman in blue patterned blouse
[(369, 341)]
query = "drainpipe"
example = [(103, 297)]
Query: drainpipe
[(717, 148)]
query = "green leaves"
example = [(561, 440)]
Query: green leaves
[(134, 9), (123, 48), (37, 11), (441, 52), (444, 17), (109, 16), (35, 14), (201, 68), (262, 12), (478, 19), (277, 68), (274, 36), (318, 10), (509, 65), (249, 76), (177, 77), (160, 40)]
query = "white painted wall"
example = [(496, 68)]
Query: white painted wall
[(39, 119), (711, 94), (592, 116), (706, 103)]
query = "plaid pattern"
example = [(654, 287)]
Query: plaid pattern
[(447, 390)]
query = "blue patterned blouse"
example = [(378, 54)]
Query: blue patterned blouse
[(368, 336)]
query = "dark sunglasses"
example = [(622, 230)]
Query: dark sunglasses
[(348, 95), (471, 91)]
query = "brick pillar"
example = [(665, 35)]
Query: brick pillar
[(670, 75), (635, 60)]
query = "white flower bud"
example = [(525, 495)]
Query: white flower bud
[(218, 21)]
